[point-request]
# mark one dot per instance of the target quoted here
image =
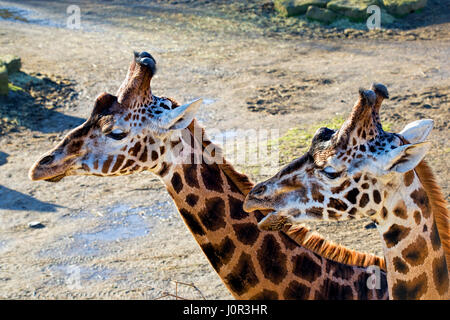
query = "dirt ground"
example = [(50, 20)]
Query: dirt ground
[(99, 239)]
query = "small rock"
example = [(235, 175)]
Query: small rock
[(371, 225), (36, 225), (348, 31), (426, 106), (289, 8), (403, 7), (321, 14), (3, 80), (11, 62), (355, 10)]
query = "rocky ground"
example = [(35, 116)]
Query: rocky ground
[(247, 63)]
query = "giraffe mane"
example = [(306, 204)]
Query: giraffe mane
[(438, 205), (241, 181), (301, 234), (330, 250)]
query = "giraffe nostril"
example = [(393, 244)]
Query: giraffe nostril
[(259, 190), (46, 160)]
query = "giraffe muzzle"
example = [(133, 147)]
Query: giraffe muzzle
[(50, 168), (252, 204)]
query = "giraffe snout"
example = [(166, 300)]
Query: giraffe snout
[(50, 167), (254, 200)]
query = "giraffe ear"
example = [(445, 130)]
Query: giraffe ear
[(405, 158), (417, 131), (181, 117)]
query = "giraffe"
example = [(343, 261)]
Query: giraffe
[(136, 131), (361, 170)]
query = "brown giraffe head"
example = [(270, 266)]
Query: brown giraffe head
[(346, 173), (126, 133)]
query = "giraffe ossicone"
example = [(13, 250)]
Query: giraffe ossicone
[(137, 131), (362, 171)]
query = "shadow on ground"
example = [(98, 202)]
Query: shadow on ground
[(33, 101), (14, 200), (3, 158), (436, 12)]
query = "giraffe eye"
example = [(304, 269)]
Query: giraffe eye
[(117, 134), (330, 172)]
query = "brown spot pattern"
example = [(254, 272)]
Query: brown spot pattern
[(334, 291), (408, 178), (306, 268), (107, 163), (351, 195), (364, 200), (236, 210), (395, 234), (337, 204), (191, 199), (265, 295), (272, 260), (296, 291), (315, 193), (219, 254), (119, 160), (164, 169), (376, 196), (143, 157), (135, 150), (190, 175), (440, 275), (154, 155), (399, 265), (177, 184), (192, 222), (400, 210), (410, 290), (314, 212), (211, 177), (420, 198), (416, 253), (344, 185), (247, 233), (243, 277), (417, 217), (213, 215), (435, 238)]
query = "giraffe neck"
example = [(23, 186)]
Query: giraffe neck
[(252, 263), (415, 258)]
